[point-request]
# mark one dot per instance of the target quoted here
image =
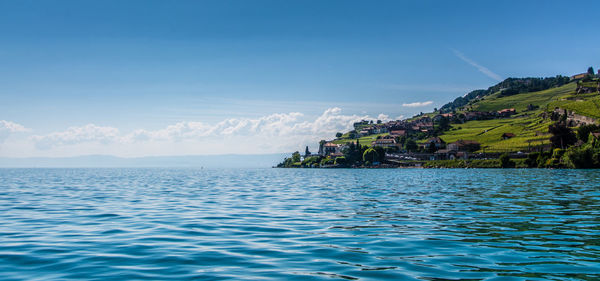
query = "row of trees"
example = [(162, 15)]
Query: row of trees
[(509, 86), (578, 149), (354, 155)]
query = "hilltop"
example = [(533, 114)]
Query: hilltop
[(514, 117)]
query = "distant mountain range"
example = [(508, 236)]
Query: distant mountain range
[(107, 161)]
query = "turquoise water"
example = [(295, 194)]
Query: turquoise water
[(284, 224)]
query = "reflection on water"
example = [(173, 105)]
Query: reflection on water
[(182, 224)]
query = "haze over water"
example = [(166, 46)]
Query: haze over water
[(286, 224)]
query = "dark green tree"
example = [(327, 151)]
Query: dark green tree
[(380, 153), (505, 161), (338, 135), (401, 140), (583, 132), (296, 157), (341, 161), (444, 124), (562, 136), (370, 155), (531, 160), (352, 154), (411, 145), (591, 71), (581, 157), (306, 151)]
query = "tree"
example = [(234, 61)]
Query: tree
[(431, 148), (338, 135), (352, 153), (505, 161), (380, 153), (562, 136), (411, 145), (401, 140), (580, 157), (311, 161), (444, 123), (340, 161), (583, 132), (378, 121), (306, 151), (531, 160), (296, 157), (327, 161), (321, 144), (370, 155), (590, 71)]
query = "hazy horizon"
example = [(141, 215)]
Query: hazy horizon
[(173, 161)]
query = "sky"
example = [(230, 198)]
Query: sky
[(152, 78)]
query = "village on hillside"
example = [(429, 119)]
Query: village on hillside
[(420, 140)]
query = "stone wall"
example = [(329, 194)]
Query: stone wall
[(574, 119)]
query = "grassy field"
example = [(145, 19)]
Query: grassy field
[(588, 106), (520, 101), (528, 130), (529, 127)]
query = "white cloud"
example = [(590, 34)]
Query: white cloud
[(7, 128), (280, 132), (479, 67), (417, 104), (76, 135)]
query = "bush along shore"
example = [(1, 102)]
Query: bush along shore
[(518, 123)]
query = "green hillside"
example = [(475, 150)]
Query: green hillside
[(520, 102), (528, 130), (528, 126), (514, 115)]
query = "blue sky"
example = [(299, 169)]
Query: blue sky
[(150, 65)]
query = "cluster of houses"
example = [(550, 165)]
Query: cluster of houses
[(425, 124), (455, 150), (398, 127)]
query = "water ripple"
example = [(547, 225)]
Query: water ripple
[(278, 224)]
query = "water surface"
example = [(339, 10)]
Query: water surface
[(286, 224)]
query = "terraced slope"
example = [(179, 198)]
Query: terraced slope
[(529, 127)]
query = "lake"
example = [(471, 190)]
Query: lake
[(299, 224)]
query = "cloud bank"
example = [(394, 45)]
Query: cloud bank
[(7, 128), (75, 135), (280, 132)]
